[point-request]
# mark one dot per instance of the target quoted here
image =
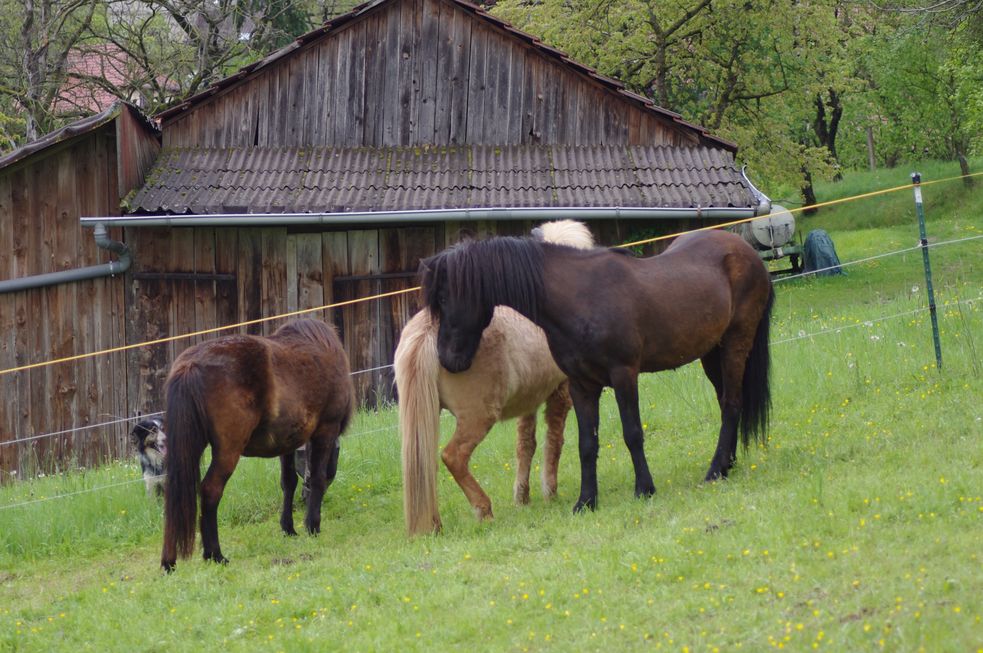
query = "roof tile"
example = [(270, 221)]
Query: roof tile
[(331, 180)]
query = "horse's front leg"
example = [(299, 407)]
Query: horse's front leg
[(212, 488), (457, 456), (288, 483), (585, 405), (625, 382)]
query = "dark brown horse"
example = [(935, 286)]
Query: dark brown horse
[(251, 396), (609, 316)]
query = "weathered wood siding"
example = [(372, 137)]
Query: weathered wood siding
[(41, 200), (417, 72), (189, 279)]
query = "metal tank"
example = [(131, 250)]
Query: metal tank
[(772, 236)]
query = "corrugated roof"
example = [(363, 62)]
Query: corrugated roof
[(77, 128), (332, 180), (338, 22)]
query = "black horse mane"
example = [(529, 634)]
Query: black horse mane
[(498, 271)]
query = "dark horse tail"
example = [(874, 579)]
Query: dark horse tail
[(188, 429), (756, 392)]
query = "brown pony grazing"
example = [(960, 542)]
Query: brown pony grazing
[(251, 396), (609, 316), (512, 375)]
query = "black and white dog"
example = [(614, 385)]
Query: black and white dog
[(151, 444)]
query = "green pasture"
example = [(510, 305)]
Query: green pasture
[(857, 526)]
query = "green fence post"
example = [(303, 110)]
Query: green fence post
[(916, 180)]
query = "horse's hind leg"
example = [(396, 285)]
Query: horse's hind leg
[(457, 456), (212, 487), (288, 483), (525, 447), (724, 366), (320, 449), (558, 407), (625, 382)]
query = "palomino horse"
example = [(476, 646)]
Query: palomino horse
[(251, 396), (512, 375), (609, 316)]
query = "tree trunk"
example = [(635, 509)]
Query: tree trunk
[(808, 193), (826, 132), (871, 160), (964, 169)]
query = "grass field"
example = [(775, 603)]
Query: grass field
[(856, 526)]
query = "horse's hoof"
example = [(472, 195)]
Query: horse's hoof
[(484, 514), (645, 492), (217, 558), (167, 567), (715, 475), (585, 504), (290, 533)]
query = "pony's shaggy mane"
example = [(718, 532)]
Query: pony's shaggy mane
[(313, 330), (486, 273)]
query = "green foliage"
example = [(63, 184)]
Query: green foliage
[(759, 74), (855, 527)]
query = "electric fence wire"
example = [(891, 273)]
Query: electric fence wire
[(89, 427)]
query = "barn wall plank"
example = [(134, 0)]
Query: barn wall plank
[(360, 322), (290, 265), (427, 70), (478, 86), (340, 90), (391, 56), (274, 277), (334, 259), (250, 273), (205, 294), (309, 272), (226, 292)]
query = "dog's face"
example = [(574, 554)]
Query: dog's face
[(148, 437)]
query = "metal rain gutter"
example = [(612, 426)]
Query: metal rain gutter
[(356, 218), (79, 274)]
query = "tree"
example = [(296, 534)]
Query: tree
[(767, 74), (35, 39), (179, 47)]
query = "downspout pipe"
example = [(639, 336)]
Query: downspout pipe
[(764, 202), (122, 264)]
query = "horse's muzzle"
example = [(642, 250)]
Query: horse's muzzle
[(456, 362)]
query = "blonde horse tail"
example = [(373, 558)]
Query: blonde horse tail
[(416, 366)]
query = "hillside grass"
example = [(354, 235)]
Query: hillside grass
[(856, 526)]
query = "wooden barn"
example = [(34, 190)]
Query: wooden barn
[(325, 171), (61, 293)]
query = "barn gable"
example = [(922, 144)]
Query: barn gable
[(421, 72)]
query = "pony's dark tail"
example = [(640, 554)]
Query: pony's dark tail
[(188, 432), (756, 392)]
